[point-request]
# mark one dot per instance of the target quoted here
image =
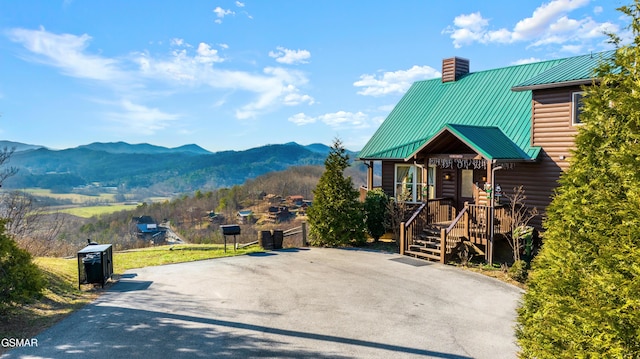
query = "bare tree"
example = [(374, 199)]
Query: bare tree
[(397, 209), (519, 217), (32, 227), (5, 156), (29, 225)]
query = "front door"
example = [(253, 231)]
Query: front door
[(465, 188)]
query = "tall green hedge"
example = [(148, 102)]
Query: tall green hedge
[(583, 297)]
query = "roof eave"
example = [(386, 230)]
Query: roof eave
[(554, 85), (379, 159), (425, 144)]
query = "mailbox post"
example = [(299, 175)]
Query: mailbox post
[(230, 230)]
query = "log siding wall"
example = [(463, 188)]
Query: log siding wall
[(552, 130)]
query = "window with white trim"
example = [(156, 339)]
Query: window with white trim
[(576, 108), (411, 182)]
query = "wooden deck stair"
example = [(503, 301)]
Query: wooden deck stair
[(427, 246)]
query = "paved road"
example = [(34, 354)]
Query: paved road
[(317, 303)]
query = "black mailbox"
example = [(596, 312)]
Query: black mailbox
[(230, 229)]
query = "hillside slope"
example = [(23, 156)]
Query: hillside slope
[(180, 169)]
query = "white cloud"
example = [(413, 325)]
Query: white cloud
[(302, 119), (221, 13), (177, 42), (386, 108), (474, 22), (574, 49), (274, 87), (598, 10), (67, 52), (340, 119), (397, 82), (141, 119), (544, 16), (239, 4), (287, 56), (549, 24), (206, 54), (526, 61), (345, 119), (184, 69)]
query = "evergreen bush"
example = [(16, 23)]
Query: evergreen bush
[(583, 297), (336, 217), (375, 208), (20, 279)]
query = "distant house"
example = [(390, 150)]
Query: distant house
[(245, 217), (295, 200), (148, 229), (214, 217), (450, 142), (278, 214), (273, 199)]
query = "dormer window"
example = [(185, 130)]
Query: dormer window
[(576, 108)]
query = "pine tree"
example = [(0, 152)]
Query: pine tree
[(336, 216), (583, 297)]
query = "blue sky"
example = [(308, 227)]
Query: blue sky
[(232, 75)]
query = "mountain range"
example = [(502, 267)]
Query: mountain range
[(176, 170)]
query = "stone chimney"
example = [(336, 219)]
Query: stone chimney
[(454, 68)]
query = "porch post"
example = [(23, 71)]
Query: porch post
[(370, 176), (402, 238), (489, 252)]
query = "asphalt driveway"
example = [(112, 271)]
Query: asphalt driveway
[(307, 303)]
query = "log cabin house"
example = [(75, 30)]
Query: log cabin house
[(450, 142)]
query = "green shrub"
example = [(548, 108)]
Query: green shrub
[(519, 271), (375, 209), (20, 279)]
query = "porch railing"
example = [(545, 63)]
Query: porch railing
[(473, 224), (413, 227), (438, 211), (441, 210), (453, 235)]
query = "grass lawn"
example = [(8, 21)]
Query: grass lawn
[(74, 197), (90, 211), (62, 297)]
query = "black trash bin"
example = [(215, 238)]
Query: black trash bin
[(95, 264), (265, 240), (278, 238), (93, 267)]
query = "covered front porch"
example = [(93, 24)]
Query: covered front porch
[(450, 180)]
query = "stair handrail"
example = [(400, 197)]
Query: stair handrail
[(444, 234), (415, 214), (457, 219), (406, 229)]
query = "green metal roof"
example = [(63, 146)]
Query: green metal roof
[(497, 98), (572, 71), (480, 99), (490, 142)]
